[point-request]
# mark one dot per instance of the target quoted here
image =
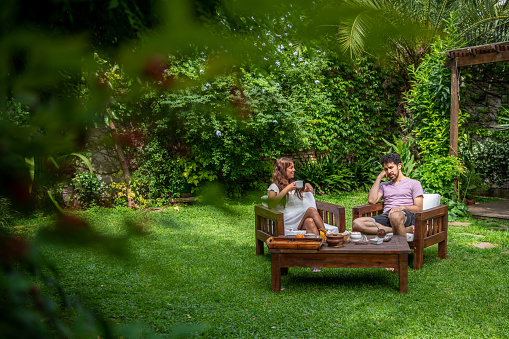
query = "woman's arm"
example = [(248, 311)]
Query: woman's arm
[(275, 198)]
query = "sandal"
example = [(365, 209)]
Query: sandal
[(316, 270)]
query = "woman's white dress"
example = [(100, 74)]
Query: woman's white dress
[(295, 209)]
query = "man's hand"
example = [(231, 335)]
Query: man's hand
[(395, 209), (382, 175)]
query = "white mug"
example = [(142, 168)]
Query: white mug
[(299, 183), (355, 235)]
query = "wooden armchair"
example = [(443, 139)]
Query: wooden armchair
[(270, 222), (430, 228)]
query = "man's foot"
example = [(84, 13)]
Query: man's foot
[(410, 229), (316, 269)]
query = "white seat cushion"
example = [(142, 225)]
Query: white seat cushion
[(264, 200), (430, 201)]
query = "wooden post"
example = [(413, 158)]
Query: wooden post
[(453, 143)]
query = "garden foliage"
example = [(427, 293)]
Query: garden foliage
[(232, 127), (329, 173), (492, 160), (429, 102)]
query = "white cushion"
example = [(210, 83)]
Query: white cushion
[(330, 228), (430, 201), (264, 200)]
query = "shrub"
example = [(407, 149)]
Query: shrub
[(327, 174), (89, 189), (7, 214), (438, 173), (471, 181), (119, 193), (363, 172), (492, 160), (159, 176)]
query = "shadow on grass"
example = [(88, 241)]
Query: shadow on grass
[(342, 278), (170, 223)]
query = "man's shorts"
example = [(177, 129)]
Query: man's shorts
[(384, 219)]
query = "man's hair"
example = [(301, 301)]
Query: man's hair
[(390, 157)]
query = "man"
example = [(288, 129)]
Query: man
[(402, 198)]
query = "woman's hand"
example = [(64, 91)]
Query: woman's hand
[(308, 187), (290, 187)]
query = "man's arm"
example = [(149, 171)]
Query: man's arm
[(374, 195), (416, 207)]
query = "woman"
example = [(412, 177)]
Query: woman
[(298, 206)]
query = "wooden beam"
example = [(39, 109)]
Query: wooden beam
[(455, 106), (477, 59)]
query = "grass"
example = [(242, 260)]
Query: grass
[(196, 270)]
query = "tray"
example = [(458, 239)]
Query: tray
[(294, 243)]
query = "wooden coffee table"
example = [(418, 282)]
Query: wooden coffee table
[(391, 254)]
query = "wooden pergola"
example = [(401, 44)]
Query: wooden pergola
[(468, 56)]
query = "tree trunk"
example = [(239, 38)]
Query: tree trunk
[(121, 158)]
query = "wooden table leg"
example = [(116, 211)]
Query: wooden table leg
[(275, 274), (403, 273)]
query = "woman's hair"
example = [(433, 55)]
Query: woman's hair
[(279, 177)]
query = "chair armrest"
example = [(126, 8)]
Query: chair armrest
[(332, 214), (367, 210), (431, 223), (263, 214), (431, 213)]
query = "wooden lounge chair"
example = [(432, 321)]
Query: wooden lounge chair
[(270, 222), (430, 227)]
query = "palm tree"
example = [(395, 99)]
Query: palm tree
[(402, 31)]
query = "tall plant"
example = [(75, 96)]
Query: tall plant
[(404, 149), (428, 102), (327, 174)]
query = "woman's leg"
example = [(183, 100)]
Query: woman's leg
[(311, 222), (309, 226)]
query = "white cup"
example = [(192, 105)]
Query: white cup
[(410, 237), (299, 183), (356, 236)]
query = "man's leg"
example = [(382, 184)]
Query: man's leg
[(398, 223), (366, 225), (402, 222)]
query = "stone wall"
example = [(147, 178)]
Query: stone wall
[(104, 158)]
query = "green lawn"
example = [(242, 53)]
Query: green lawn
[(197, 266)]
